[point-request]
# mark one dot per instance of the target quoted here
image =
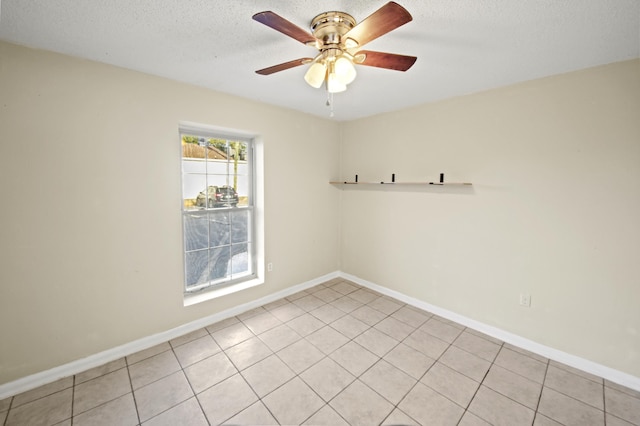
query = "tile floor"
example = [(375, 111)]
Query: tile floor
[(335, 354)]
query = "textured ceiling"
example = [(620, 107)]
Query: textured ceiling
[(462, 46)]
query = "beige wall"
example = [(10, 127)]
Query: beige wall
[(90, 242), (554, 210)]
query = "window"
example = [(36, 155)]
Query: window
[(218, 213)]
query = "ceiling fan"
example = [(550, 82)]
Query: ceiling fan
[(339, 39)]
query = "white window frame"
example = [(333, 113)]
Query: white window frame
[(255, 159)]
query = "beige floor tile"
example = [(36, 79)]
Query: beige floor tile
[(42, 391), (232, 335), (3, 416), (298, 295), (222, 324), (354, 358), (610, 421), (326, 416), (623, 405), (368, 315), (327, 295), (276, 303), (530, 354), (305, 324), (512, 385), (623, 389), (261, 323), (120, 411), (248, 353), (465, 363), (484, 336), (209, 372), (386, 305), (429, 345), (395, 328), (411, 316), (149, 352), (5, 404), (577, 372), (349, 326), (300, 355), (162, 395), (428, 407), (390, 382), (344, 287), (470, 419), (226, 399), (397, 418), (196, 350), (409, 360), (363, 295), (186, 413), (327, 378), (287, 312), (308, 303), (346, 304), (102, 389), (376, 342), (154, 368), (541, 420), (499, 410), (327, 339), (100, 370), (293, 403), (521, 364), (441, 330), (455, 386), (186, 338), (255, 414), (478, 346), (568, 411), (575, 386), (279, 337), (327, 313), (251, 313), (266, 375), (359, 405), (48, 410)]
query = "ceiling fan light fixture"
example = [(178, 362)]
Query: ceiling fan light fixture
[(344, 70), (316, 74), (334, 85)]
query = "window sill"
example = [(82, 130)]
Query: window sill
[(193, 299)]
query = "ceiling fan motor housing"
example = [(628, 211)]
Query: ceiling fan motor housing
[(329, 27)]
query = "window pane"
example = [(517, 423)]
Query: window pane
[(192, 184), (219, 261), (240, 226), (196, 263), (243, 187), (240, 259), (196, 230), (219, 228)]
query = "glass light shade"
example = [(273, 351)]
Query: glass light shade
[(345, 70), (315, 74), (334, 84)]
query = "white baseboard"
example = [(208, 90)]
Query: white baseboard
[(600, 370), (35, 380), (42, 378)]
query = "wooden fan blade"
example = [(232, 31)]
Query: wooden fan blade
[(284, 66), (278, 23), (387, 18), (389, 61)]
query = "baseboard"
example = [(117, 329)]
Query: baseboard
[(42, 378), (600, 370)]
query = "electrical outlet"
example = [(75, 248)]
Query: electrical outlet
[(269, 266), (525, 300)]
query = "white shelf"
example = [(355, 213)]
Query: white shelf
[(402, 183)]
